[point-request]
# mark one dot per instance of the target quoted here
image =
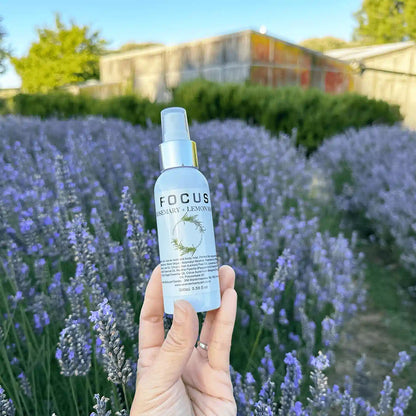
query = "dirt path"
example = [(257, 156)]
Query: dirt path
[(370, 333)]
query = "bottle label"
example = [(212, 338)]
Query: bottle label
[(187, 251)]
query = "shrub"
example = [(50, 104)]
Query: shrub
[(130, 108), (373, 171), (314, 114), (74, 245)]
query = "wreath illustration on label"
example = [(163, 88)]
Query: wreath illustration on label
[(188, 233)]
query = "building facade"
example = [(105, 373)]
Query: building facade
[(386, 72), (237, 57)]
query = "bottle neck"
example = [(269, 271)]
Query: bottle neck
[(176, 153)]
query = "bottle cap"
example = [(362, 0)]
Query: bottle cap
[(174, 124), (176, 149)]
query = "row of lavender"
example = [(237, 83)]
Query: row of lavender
[(374, 174), (77, 252)]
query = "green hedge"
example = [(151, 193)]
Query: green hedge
[(314, 114), (64, 105)]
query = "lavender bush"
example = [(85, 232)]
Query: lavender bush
[(78, 244), (374, 174)]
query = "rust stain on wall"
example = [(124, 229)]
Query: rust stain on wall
[(277, 63)]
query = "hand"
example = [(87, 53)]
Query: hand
[(173, 377)]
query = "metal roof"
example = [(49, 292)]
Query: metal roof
[(363, 52)]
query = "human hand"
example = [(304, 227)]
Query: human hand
[(173, 377)]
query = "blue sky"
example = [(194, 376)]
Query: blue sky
[(171, 22)]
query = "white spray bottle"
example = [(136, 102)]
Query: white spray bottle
[(184, 220)]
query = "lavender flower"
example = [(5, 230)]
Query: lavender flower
[(100, 406), (349, 407), (401, 363), (291, 384), (267, 368), (6, 405), (74, 348), (117, 367), (384, 405), (402, 401), (266, 405), (24, 384), (140, 243), (319, 400)]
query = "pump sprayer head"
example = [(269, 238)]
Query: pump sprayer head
[(174, 124), (176, 149)]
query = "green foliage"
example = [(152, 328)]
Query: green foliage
[(314, 114), (3, 106), (62, 55), (383, 21), (325, 43), (64, 105)]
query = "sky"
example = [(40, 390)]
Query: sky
[(175, 21)]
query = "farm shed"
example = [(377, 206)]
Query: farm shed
[(236, 57), (386, 72)]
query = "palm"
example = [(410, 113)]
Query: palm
[(208, 388)]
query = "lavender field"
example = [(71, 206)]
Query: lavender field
[(78, 244)]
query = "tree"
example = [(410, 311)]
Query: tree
[(383, 21), (63, 55), (3, 49), (324, 44)]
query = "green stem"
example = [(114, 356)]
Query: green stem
[(126, 399), (16, 387), (86, 395), (73, 395), (256, 342)]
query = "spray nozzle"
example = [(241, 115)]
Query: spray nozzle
[(174, 124)]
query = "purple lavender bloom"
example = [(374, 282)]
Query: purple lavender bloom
[(401, 363), (74, 349), (265, 404), (291, 384), (100, 406), (117, 367), (267, 369), (402, 401), (348, 405), (384, 405), (319, 401), (24, 384), (6, 405)]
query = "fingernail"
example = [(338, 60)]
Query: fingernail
[(179, 311)]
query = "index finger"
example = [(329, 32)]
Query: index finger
[(151, 329)]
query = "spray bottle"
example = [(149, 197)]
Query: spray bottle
[(184, 220)]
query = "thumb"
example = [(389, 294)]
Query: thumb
[(178, 345)]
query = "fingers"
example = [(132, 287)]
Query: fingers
[(222, 331), (227, 279), (177, 347), (151, 330)]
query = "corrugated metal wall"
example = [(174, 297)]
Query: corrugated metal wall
[(394, 88)]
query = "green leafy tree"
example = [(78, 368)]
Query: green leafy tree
[(62, 55), (384, 21), (324, 44)]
